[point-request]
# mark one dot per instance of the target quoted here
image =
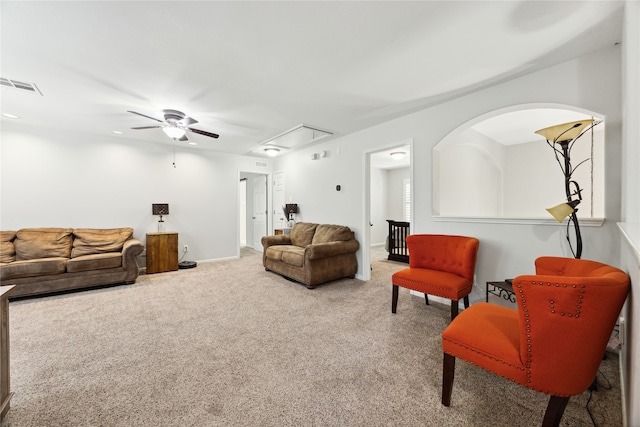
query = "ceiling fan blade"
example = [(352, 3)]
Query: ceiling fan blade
[(147, 127), (205, 133), (143, 115), (188, 121)]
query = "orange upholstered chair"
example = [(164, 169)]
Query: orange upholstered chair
[(554, 342), (438, 265)]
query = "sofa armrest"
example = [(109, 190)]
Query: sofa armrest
[(325, 250), (280, 239), (130, 250)]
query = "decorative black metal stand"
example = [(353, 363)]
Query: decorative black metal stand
[(573, 218)]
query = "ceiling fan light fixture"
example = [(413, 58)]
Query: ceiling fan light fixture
[(173, 131), (271, 151)]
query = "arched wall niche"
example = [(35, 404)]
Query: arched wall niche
[(495, 166)]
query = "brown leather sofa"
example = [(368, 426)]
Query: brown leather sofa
[(312, 253), (45, 260)]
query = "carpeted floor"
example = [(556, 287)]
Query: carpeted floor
[(229, 344)]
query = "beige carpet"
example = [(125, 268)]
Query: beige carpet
[(229, 344)]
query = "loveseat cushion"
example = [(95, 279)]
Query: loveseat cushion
[(33, 268), (326, 233), (89, 241), (35, 243), (289, 254), (94, 262), (7, 249), (302, 233)]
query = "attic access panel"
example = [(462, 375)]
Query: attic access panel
[(299, 135)]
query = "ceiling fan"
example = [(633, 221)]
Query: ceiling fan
[(175, 125)]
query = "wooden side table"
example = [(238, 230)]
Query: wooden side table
[(5, 382), (280, 231), (162, 252)]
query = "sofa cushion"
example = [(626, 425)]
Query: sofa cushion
[(35, 243), (289, 254), (89, 241), (302, 233), (94, 262), (7, 249), (326, 233), (32, 268)]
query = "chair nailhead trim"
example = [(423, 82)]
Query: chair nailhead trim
[(552, 306)]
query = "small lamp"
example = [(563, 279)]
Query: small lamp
[(160, 209), (290, 209)]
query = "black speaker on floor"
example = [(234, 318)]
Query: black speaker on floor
[(187, 264)]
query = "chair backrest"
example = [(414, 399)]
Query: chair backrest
[(453, 254), (567, 312)]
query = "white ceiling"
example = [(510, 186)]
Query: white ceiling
[(252, 70), (518, 127)]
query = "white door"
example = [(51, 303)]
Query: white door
[(279, 220), (259, 211)]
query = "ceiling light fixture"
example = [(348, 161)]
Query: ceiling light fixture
[(173, 131), (117, 132), (10, 116), (397, 155), (271, 151)]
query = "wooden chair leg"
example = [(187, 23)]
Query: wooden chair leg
[(448, 370), (394, 298), (466, 301), (554, 411), (454, 309), (426, 299)]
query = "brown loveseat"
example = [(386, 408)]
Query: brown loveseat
[(44, 260), (312, 253)]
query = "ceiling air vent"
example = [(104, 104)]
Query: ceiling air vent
[(262, 164), (27, 87)]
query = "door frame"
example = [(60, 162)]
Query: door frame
[(269, 217), (366, 192)]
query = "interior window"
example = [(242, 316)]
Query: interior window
[(497, 167), (406, 191)]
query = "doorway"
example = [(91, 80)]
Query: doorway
[(388, 195), (253, 207)]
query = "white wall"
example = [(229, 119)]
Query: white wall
[(65, 179), (481, 177), (468, 177), (505, 249), (534, 180), (387, 201), (395, 198), (630, 354), (379, 205), (527, 164)]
